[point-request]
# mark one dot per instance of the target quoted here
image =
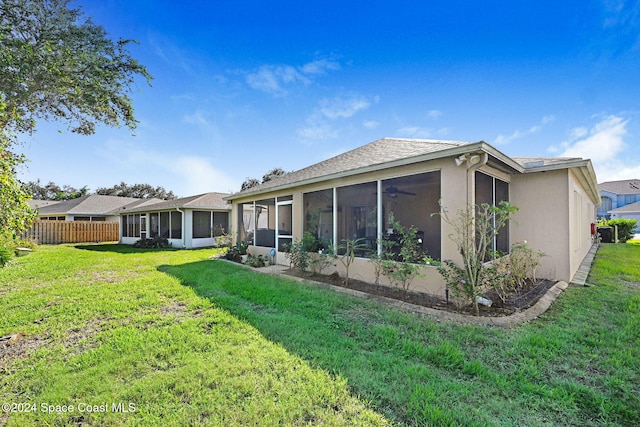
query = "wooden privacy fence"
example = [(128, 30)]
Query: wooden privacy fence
[(54, 232)]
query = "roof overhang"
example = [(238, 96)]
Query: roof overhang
[(497, 160)]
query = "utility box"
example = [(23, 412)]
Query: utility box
[(606, 234)]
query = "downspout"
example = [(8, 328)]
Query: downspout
[(183, 229), (472, 166)]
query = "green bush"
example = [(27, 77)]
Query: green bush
[(5, 256), (156, 242), (626, 228)]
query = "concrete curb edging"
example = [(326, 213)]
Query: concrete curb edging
[(512, 320)]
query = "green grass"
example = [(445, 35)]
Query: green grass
[(192, 341)]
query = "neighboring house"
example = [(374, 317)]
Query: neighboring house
[(93, 207), (616, 194), (351, 195), (631, 211), (189, 222)]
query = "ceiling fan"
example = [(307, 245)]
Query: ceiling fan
[(393, 192)]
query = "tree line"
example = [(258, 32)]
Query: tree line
[(53, 191)]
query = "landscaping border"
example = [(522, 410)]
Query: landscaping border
[(515, 319)]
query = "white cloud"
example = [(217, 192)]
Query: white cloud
[(320, 66), (317, 132), (604, 144), (185, 175), (517, 134), (200, 176), (274, 78), (343, 108), (434, 114), (277, 80), (320, 123), (169, 52), (370, 124)]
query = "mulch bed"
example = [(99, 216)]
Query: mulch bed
[(527, 297)]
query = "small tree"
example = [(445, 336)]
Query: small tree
[(400, 257), (350, 247), (474, 230)]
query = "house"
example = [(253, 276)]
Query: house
[(351, 196), (94, 207), (188, 222), (616, 194), (631, 211)]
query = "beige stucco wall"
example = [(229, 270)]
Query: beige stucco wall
[(582, 213), (555, 217)]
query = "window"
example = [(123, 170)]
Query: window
[(358, 214), (265, 223), (245, 222), (176, 225), (164, 225), (284, 219), (412, 200), (220, 223), (201, 224), (131, 225), (154, 220), (318, 215), (492, 191)]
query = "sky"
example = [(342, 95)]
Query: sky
[(241, 87)]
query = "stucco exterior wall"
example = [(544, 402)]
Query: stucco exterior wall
[(555, 217), (582, 215), (543, 219)]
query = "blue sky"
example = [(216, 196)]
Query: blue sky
[(241, 87)]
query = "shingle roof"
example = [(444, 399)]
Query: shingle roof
[(36, 204), (382, 151), (205, 201), (94, 204), (633, 207), (627, 186)]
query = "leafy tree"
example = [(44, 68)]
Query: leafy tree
[(56, 65), (15, 214), (140, 191), (253, 182), (273, 173), (53, 191), (249, 183)]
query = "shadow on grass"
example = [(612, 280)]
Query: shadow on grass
[(120, 248), (365, 342), (421, 372)]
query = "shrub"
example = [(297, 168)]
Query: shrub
[(234, 253), (257, 261), (350, 247), (626, 228), (298, 256), (5, 256), (474, 228), (155, 242), (514, 270)]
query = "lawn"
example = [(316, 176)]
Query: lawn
[(109, 335)]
